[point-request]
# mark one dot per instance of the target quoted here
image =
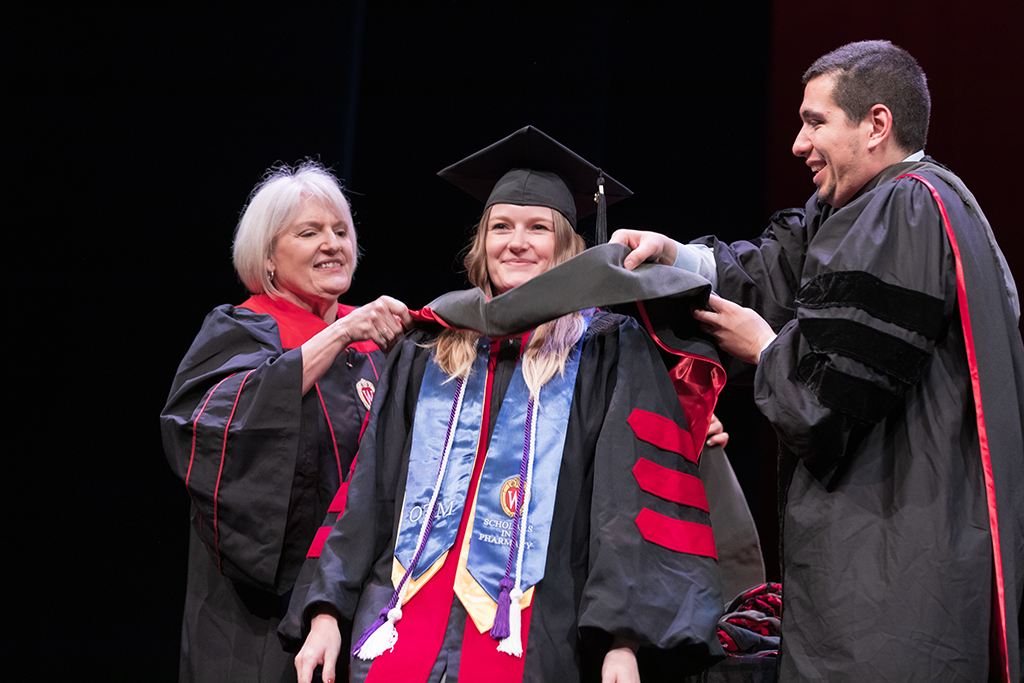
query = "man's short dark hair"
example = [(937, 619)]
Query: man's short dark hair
[(874, 72)]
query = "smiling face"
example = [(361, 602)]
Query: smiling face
[(520, 244), (314, 258), (835, 148)]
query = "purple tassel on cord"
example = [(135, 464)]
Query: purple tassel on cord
[(501, 628), (373, 627)]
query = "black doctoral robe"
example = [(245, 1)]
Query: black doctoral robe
[(602, 576), (892, 508), (262, 464)]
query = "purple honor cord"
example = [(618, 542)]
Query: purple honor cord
[(381, 635), (506, 619)]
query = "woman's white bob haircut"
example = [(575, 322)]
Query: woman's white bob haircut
[(273, 205)]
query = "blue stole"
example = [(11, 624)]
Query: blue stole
[(433, 411), (490, 537)]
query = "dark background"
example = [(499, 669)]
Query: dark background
[(137, 135)]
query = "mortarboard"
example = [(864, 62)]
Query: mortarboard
[(529, 168)]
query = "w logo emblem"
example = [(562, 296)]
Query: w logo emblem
[(510, 496)]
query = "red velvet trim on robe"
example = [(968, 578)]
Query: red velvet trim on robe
[(296, 325), (675, 534), (220, 470), (337, 505), (998, 626), (697, 381), (338, 502), (669, 484), (317, 546), (662, 432)]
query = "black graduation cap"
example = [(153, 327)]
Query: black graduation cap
[(529, 168)]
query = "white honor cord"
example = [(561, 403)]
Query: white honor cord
[(523, 518), (513, 644), (460, 392)]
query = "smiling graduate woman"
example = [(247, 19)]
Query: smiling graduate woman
[(501, 525), (264, 416)]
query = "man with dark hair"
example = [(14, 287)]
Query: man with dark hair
[(882, 320), (876, 71)]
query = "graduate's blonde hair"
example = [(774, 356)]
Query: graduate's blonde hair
[(549, 344)]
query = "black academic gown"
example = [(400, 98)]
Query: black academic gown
[(600, 573), (888, 534), (259, 491), (601, 576)]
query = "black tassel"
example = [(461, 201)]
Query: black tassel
[(601, 233)]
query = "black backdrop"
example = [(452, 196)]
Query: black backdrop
[(136, 135)]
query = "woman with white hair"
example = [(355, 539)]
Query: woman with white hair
[(263, 420)]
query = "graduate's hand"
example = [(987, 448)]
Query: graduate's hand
[(739, 331), (717, 436), (382, 322), (620, 663), (646, 246), (322, 646)]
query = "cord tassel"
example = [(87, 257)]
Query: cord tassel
[(513, 644), (380, 637), (501, 626), (601, 231)]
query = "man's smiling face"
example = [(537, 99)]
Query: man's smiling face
[(835, 148)]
